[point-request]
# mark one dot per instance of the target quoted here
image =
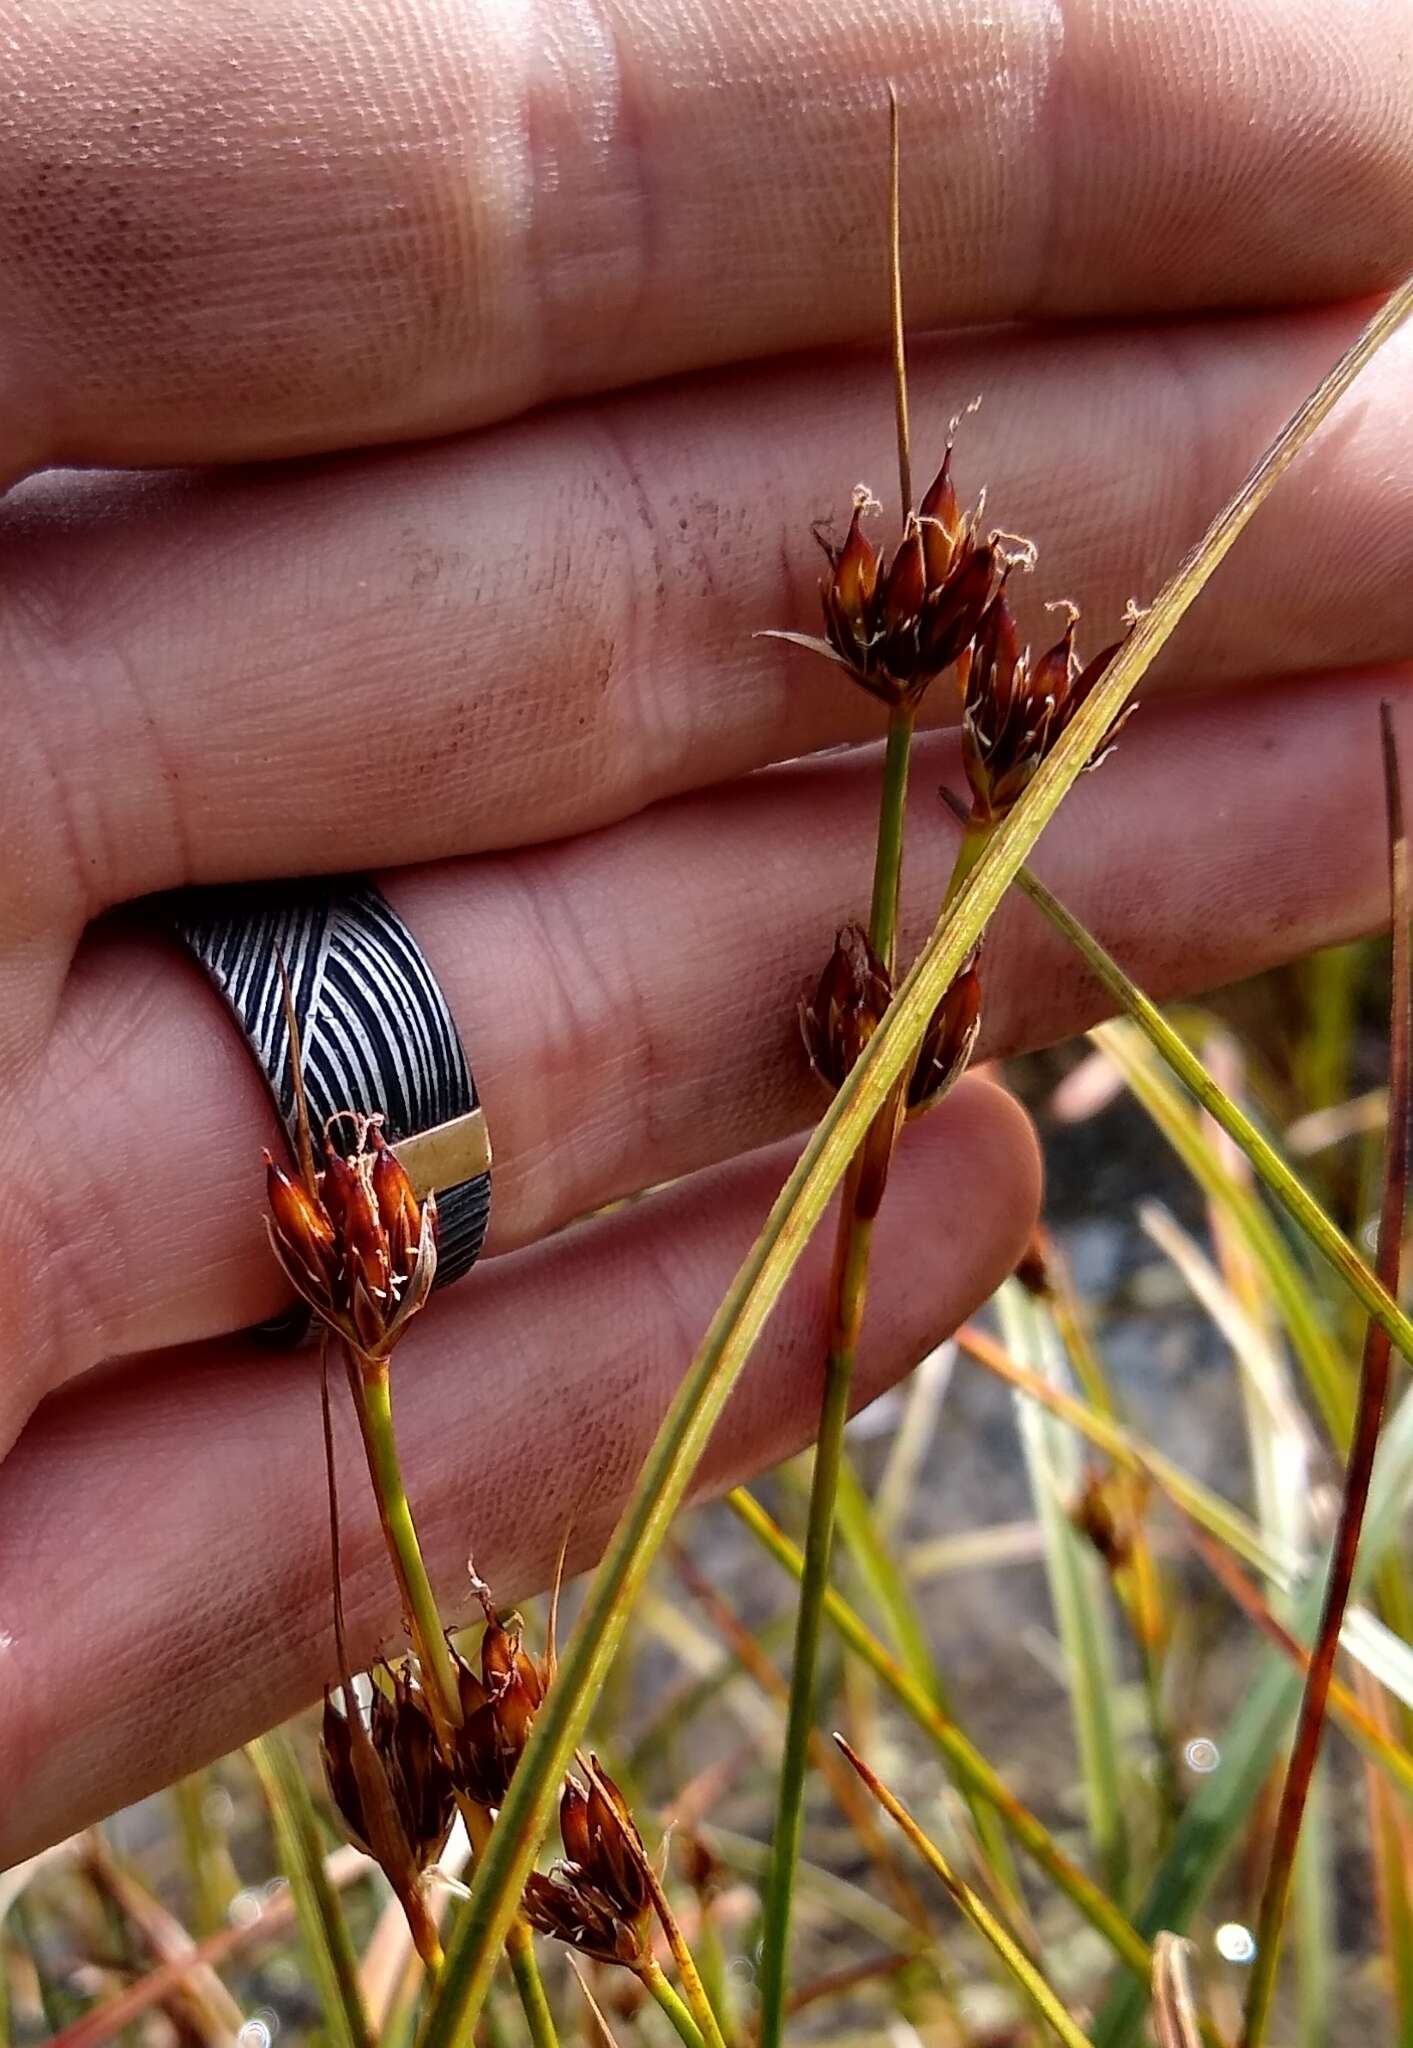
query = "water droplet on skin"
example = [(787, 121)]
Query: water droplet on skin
[(254, 2034)]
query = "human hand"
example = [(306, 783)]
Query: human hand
[(515, 669)]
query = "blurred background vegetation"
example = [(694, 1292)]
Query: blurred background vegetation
[(1087, 1638)]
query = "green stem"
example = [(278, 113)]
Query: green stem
[(1301, 1207), (851, 1265), (848, 1293), (888, 859), (519, 1942), (700, 2005), (651, 1978), (372, 1381), (520, 1947), (846, 1305)]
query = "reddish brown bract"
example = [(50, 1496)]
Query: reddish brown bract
[(948, 1042), (841, 1014), (597, 1898), (1016, 709), (498, 1710), (359, 1247), (419, 1789), (898, 624)]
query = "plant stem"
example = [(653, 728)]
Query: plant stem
[(888, 859), (847, 1294), (372, 1392), (700, 2005), (520, 1947), (1373, 1395), (372, 1385), (651, 1978), (519, 1942)]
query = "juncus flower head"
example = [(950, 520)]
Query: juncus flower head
[(358, 1246)]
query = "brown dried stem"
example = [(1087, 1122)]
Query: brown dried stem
[(1373, 1392)]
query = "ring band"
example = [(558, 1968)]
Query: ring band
[(376, 1033)]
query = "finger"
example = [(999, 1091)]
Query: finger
[(331, 224), (629, 1002), (174, 1519), (536, 632)]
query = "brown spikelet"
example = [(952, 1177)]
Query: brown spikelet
[(1016, 708), (948, 1042), (597, 1899), (498, 1706), (841, 1013), (357, 1246), (897, 623)]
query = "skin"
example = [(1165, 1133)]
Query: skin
[(491, 632)]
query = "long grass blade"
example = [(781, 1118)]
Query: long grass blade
[(667, 1472), (1218, 1810), (321, 1921), (1373, 1392), (1392, 1759), (967, 1762), (1275, 1175), (823, 1756), (894, 1599), (1079, 1592), (1216, 1529), (1028, 1980)]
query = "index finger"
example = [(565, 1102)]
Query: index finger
[(328, 223)]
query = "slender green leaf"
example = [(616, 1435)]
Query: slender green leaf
[(1373, 1394), (1278, 1178), (960, 1755), (894, 1599), (1028, 1980), (321, 1920), (1079, 1589)]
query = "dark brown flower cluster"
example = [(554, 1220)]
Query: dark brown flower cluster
[(392, 1790), (597, 1899), (498, 1708), (897, 623), (840, 1015), (1016, 709), (358, 1246)]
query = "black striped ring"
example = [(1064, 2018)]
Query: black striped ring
[(375, 1031)]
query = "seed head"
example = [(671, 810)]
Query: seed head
[(948, 1042), (498, 1708), (1016, 709), (897, 623), (392, 1791), (840, 1015), (358, 1246), (596, 1899)]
